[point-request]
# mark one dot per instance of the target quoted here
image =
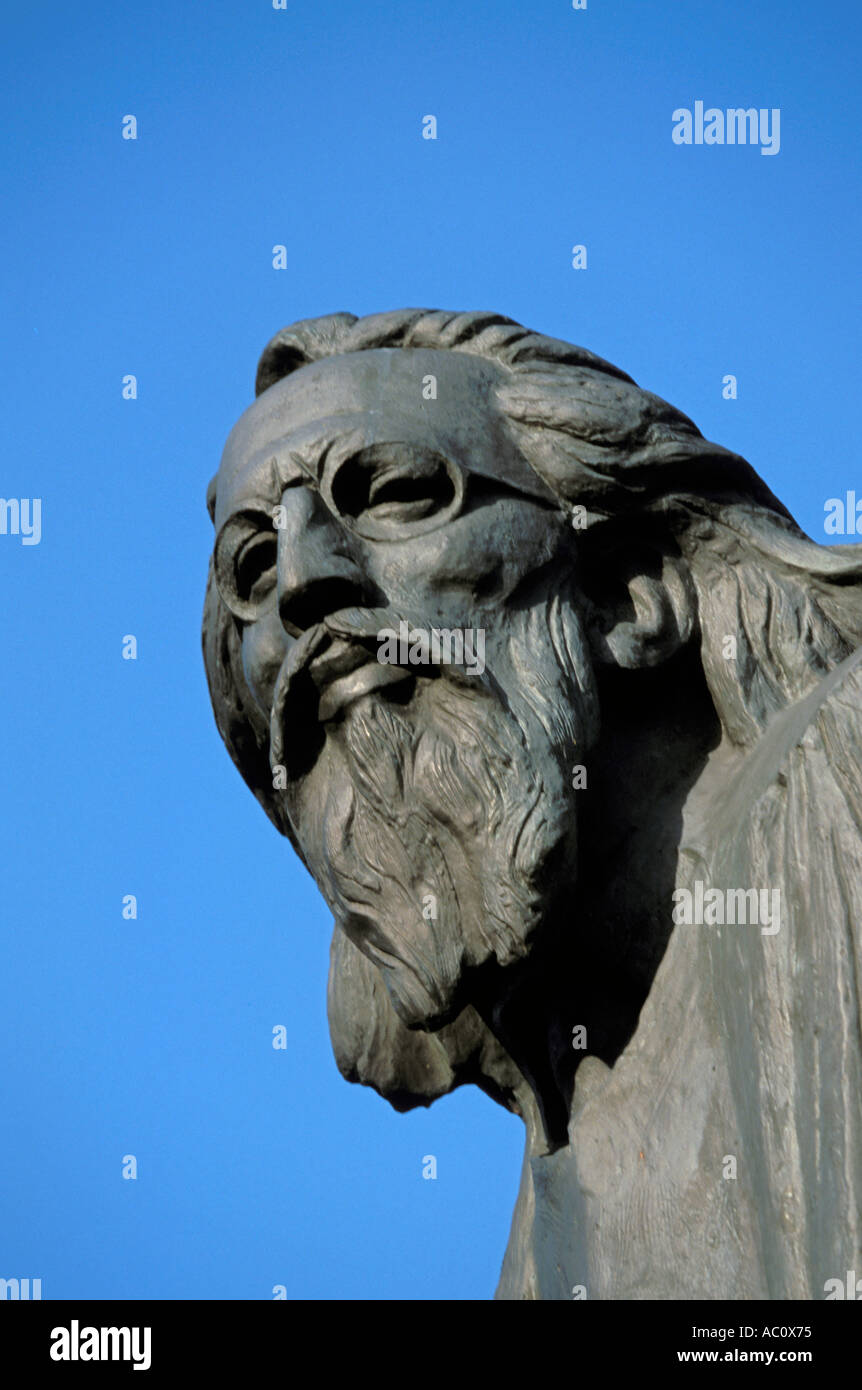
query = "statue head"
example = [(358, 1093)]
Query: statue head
[(457, 567)]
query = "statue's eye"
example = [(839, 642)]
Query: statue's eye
[(407, 494), (391, 486), (255, 566), (245, 556)]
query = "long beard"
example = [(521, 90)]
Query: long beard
[(433, 828)]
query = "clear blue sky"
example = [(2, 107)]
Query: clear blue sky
[(154, 257)]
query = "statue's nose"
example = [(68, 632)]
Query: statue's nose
[(317, 571)]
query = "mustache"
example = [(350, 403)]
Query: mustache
[(356, 630), (294, 688)]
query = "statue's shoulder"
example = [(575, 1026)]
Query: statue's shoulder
[(837, 724), (840, 690), (815, 741), (790, 812), (833, 781)]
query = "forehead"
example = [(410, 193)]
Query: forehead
[(378, 392)]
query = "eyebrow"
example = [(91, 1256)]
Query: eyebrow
[(305, 461), (280, 466)]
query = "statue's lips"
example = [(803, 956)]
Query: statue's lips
[(344, 672), (330, 666)]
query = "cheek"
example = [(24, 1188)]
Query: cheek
[(487, 552), (264, 647)]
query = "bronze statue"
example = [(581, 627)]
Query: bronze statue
[(563, 712)]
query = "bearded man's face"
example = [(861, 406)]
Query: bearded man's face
[(434, 807)]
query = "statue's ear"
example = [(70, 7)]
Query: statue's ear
[(643, 606)]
